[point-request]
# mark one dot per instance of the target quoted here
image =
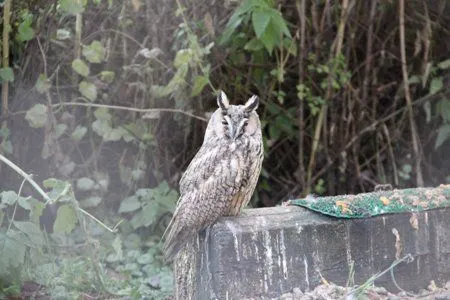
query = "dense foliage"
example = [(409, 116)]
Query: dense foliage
[(105, 103)]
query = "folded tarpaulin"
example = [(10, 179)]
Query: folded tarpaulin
[(378, 203)]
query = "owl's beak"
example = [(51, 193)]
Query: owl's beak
[(232, 132)]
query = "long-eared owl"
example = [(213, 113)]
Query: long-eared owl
[(221, 178)]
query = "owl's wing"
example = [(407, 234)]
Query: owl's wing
[(211, 181), (200, 168)]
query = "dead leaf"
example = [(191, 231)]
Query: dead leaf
[(432, 286), (343, 206), (423, 204), (417, 44), (385, 200), (152, 115), (209, 25), (414, 221), (136, 4), (398, 244), (415, 201)]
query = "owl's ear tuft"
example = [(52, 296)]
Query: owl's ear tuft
[(222, 101), (252, 103)]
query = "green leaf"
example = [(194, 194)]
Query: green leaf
[(79, 133), (144, 218), (60, 129), (95, 52), (93, 201), (85, 184), (117, 246), (80, 67), (232, 24), (72, 7), (279, 23), (113, 135), (443, 109), (137, 174), (6, 147), (8, 197), (103, 114), (150, 54), (443, 135), (24, 203), (183, 57), (42, 84), (127, 136), (107, 76), (60, 189), (274, 132), (178, 81), (436, 85), (24, 31), (414, 79), (320, 187), (146, 194), (88, 90), (37, 116), (36, 212), (290, 46), (260, 20), (157, 91), (129, 204), (132, 241), (66, 219), (199, 84), (407, 168), (67, 168), (270, 38), (31, 231), (166, 281), (63, 34), (6, 74), (4, 131), (254, 45), (248, 5), (427, 109), (102, 181), (145, 259), (445, 64), (12, 252), (54, 183), (102, 128)]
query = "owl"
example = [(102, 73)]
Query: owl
[(221, 178)]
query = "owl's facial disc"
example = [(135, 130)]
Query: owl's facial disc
[(241, 128), (237, 120), (229, 127), (234, 126)]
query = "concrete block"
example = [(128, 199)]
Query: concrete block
[(267, 252)]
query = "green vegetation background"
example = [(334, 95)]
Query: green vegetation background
[(104, 103)]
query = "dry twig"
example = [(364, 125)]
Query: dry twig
[(414, 135)]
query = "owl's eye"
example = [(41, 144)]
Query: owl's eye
[(224, 122), (245, 122)]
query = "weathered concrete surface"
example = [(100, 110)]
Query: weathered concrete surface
[(268, 252)]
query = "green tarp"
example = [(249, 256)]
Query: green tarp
[(378, 203)]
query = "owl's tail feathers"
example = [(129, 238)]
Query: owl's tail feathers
[(176, 239), (185, 269)]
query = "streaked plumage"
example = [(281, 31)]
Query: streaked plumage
[(221, 178)]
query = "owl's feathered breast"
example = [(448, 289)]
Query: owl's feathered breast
[(224, 166)]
